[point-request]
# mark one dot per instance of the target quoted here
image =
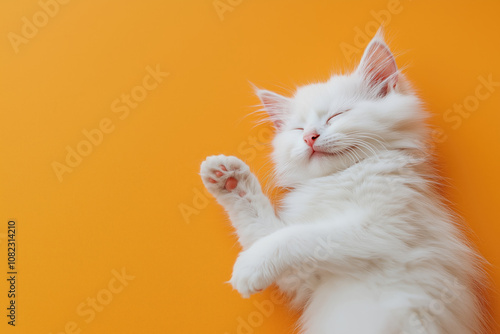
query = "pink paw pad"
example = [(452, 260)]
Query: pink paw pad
[(231, 184), (225, 175)]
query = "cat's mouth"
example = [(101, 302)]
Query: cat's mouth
[(319, 153)]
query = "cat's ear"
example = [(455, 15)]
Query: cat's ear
[(275, 105), (378, 66)]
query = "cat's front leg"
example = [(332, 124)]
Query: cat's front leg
[(312, 248), (269, 257), (251, 272), (237, 189)]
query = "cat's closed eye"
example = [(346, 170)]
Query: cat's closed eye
[(336, 114)]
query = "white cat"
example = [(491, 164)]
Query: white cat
[(362, 242)]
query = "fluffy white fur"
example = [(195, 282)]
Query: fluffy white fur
[(362, 241)]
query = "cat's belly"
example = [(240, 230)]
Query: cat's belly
[(347, 305)]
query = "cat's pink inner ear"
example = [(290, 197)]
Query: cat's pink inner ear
[(275, 105), (379, 66)]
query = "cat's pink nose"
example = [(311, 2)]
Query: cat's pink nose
[(310, 138)]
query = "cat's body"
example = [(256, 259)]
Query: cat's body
[(397, 269), (362, 242)]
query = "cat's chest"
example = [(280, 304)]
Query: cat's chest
[(336, 195)]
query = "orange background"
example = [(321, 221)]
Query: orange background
[(122, 206)]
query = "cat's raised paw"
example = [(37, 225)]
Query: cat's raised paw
[(222, 174)]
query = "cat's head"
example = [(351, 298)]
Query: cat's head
[(329, 126)]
